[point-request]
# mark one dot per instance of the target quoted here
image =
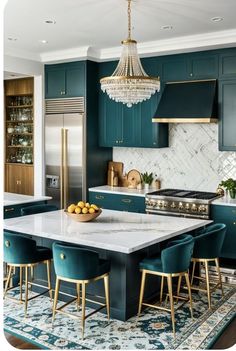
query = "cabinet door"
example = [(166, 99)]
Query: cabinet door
[(75, 80), (227, 215), (174, 69), (227, 64), (129, 120), (203, 66), (20, 179), (110, 121), (227, 112), (55, 82)]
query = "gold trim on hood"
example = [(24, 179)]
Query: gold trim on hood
[(184, 120)]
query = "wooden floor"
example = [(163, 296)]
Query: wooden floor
[(226, 340)]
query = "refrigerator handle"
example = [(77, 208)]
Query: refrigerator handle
[(65, 168), (62, 170)]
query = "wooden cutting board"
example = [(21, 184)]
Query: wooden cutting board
[(118, 168)]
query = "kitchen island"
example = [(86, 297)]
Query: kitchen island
[(124, 238)]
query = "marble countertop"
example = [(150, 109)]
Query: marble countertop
[(11, 199), (224, 201), (121, 190), (124, 232)]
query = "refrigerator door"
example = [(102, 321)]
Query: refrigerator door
[(53, 127), (73, 158)]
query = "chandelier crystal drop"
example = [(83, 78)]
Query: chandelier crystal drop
[(129, 83)]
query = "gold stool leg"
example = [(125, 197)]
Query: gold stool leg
[(189, 293), (194, 264), (162, 285), (21, 283), (26, 290), (208, 284), (141, 292), (179, 286), (8, 281), (49, 278), (169, 281), (55, 299), (219, 275), (83, 309), (78, 295), (106, 287)]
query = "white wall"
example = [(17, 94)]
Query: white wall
[(35, 69), (192, 161)]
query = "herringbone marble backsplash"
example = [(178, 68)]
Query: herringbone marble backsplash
[(192, 161)]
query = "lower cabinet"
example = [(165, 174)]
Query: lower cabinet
[(15, 210), (118, 202), (19, 179), (227, 215)]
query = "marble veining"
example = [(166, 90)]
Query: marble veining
[(113, 230), (192, 161)]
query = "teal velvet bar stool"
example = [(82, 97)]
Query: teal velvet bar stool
[(25, 211), (173, 262), (21, 251), (207, 248), (80, 266)]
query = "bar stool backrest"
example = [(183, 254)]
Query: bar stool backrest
[(208, 244), (25, 211), (176, 258), (18, 249), (74, 262)]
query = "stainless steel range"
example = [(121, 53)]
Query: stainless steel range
[(176, 202)]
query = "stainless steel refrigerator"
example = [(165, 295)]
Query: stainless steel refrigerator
[(65, 150)]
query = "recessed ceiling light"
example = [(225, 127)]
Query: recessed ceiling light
[(50, 22), (12, 39), (13, 75), (43, 41), (217, 19), (167, 27)]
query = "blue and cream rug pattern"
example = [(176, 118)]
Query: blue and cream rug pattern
[(149, 332)]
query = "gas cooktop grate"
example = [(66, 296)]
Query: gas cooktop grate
[(189, 194)]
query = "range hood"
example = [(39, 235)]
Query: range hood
[(188, 102)]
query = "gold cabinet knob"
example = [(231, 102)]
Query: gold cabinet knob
[(62, 256)]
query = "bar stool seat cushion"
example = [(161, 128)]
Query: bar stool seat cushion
[(151, 264), (43, 253), (104, 266)]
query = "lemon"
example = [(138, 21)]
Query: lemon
[(71, 208), (78, 210), (80, 204), (95, 207), (91, 210), (85, 210), (87, 205)]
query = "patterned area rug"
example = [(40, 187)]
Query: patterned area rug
[(150, 332)]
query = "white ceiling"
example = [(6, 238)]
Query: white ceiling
[(94, 28)]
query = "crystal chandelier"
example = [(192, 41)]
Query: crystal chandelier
[(129, 83)]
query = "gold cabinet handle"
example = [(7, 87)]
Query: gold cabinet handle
[(7, 243), (127, 201), (18, 182), (9, 209), (99, 197), (62, 256)]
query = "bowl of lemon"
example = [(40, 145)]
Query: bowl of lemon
[(83, 211)]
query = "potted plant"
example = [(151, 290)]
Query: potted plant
[(230, 185), (147, 179)]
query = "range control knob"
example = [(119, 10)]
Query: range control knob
[(160, 204), (165, 204), (187, 207), (202, 208), (194, 208), (181, 206), (173, 205)]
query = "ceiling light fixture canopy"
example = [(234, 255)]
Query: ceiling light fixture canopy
[(129, 83)]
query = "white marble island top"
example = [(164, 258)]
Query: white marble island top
[(113, 230), (11, 199)]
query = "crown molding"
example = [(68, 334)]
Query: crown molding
[(198, 42)]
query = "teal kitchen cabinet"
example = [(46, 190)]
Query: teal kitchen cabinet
[(65, 80), (227, 215), (227, 115), (15, 210), (174, 68), (203, 65), (118, 202), (227, 64)]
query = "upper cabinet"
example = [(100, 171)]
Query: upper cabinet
[(228, 64), (65, 80), (131, 127)]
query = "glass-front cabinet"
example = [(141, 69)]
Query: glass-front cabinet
[(19, 132)]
